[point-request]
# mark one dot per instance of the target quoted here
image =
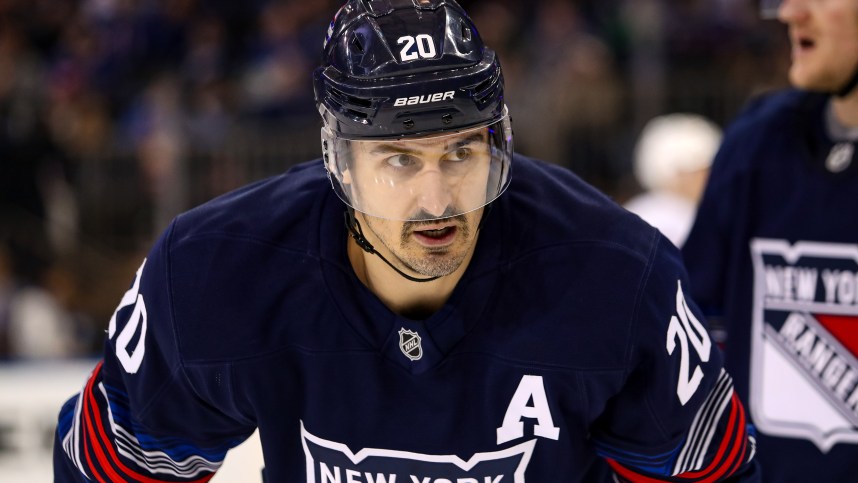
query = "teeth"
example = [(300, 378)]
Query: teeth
[(435, 233)]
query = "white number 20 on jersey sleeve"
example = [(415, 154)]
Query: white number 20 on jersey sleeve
[(687, 329), (131, 360)]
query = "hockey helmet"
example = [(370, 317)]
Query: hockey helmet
[(413, 108)]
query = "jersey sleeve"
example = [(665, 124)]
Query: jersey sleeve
[(677, 417), (141, 416)]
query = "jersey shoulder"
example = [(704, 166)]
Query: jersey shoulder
[(617, 276), (244, 264), (563, 209), (775, 110), (770, 127), (272, 210)]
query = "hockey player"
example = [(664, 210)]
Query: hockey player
[(774, 251), (449, 312), (672, 157)]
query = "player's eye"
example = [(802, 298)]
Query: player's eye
[(401, 161), (461, 153)]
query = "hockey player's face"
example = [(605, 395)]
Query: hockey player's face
[(427, 182), (824, 39)]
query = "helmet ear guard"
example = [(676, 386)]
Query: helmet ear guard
[(336, 165)]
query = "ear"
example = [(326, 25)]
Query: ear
[(347, 176)]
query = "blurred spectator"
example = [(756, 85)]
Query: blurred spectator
[(37, 208), (647, 63), (24, 143), (570, 90), (275, 80), (204, 72), (156, 127), (35, 198), (501, 25), (33, 324), (672, 160)]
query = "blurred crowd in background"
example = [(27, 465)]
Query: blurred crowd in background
[(116, 115)]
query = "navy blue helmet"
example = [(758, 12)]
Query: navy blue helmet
[(405, 68)]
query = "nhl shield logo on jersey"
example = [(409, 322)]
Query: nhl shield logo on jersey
[(804, 351), (409, 344)]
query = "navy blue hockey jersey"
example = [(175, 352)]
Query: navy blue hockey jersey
[(774, 252), (567, 351)]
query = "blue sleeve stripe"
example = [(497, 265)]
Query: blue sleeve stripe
[(175, 448)]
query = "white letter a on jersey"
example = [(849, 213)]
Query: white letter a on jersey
[(530, 388)]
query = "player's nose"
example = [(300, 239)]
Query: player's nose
[(791, 10), (434, 195)]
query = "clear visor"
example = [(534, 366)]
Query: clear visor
[(422, 178), (769, 9)]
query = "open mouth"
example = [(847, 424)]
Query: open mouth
[(802, 43), (436, 236)]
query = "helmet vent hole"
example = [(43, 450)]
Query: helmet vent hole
[(466, 32), (480, 89), (357, 115), (365, 103), (357, 44), (343, 98)]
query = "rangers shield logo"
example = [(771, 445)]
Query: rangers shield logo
[(409, 344), (804, 369)]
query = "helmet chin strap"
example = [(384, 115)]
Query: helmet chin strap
[(356, 232)]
